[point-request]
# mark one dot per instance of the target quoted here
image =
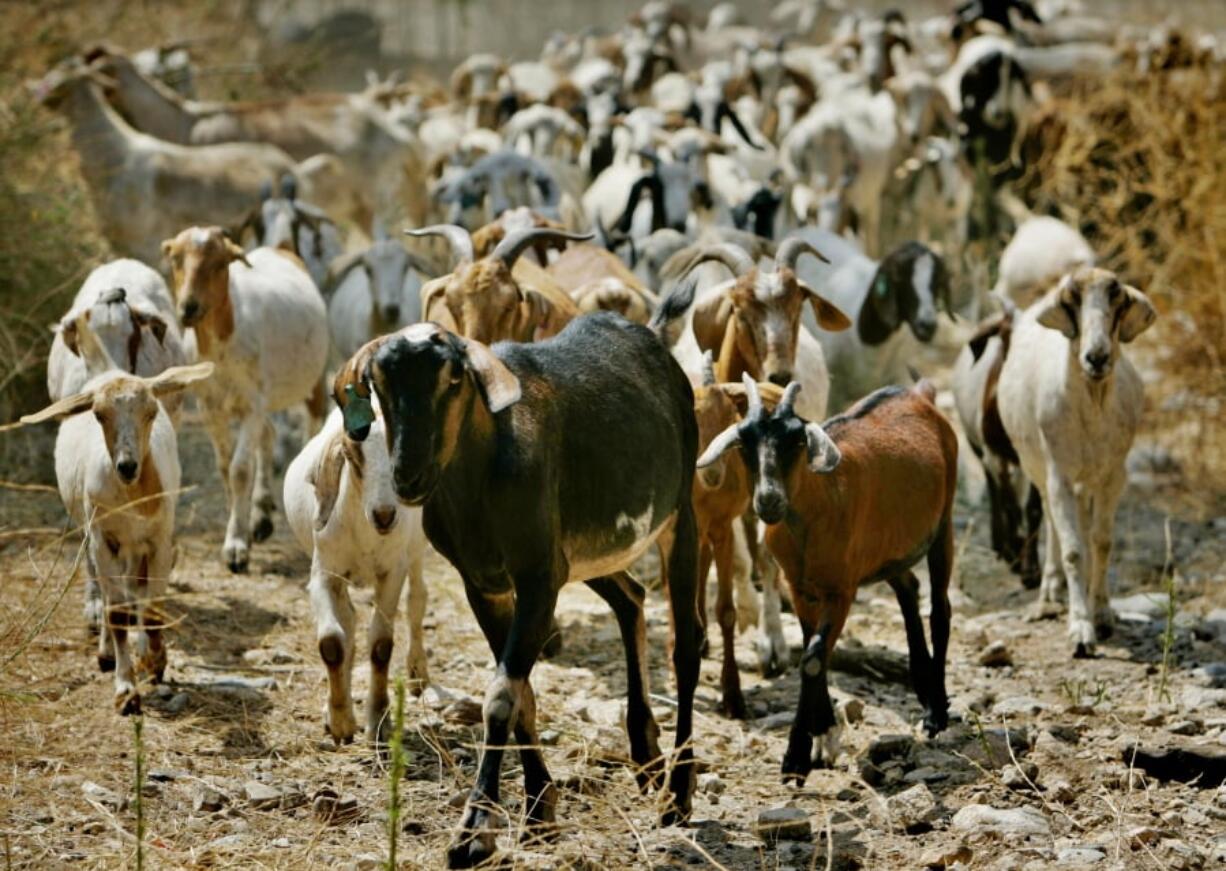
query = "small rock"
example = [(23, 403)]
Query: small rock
[(871, 774), (853, 710), (1061, 791), (103, 796), (207, 800), (282, 843), (946, 857), (549, 737), (913, 809), (1182, 856), (1184, 727), (885, 747), (264, 656), (1142, 836), (261, 796), (1079, 856), (995, 655), (226, 842), (177, 704), (237, 684), (465, 710), (329, 807), (1010, 822), (164, 775), (774, 721), (437, 697), (1018, 706), (710, 783), (1211, 674), (1150, 605), (1154, 716), (925, 774), (458, 800), (1022, 776), (783, 824)]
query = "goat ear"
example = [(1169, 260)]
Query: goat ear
[(431, 294), (177, 378), (326, 479), (536, 309), (1139, 314), (824, 454), (68, 332), (349, 387), (236, 252), (1057, 310), (768, 393), (721, 443), (66, 407), (501, 387), (829, 316)]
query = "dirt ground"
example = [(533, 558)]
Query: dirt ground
[(245, 696)]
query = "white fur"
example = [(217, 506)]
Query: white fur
[(1042, 249)]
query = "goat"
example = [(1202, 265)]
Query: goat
[(259, 316), (287, 222), (597, 279), (122, 317), (1070, 403), (373, 292), (1041, 251), (537, 465), (174, 184), (118, 475), (340, 504), (499, 296), (908, 286), (975, 382), (858, 499)]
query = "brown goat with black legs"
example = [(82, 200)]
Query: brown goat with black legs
[(537, 465), (862, 498)]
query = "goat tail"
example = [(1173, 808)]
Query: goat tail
[(669, 317), (923, 386)]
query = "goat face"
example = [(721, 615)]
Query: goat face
[(125, 410), (910, 283), (387, 263), (486, 304), (715, 412), (370, 473), (1096, 312), (200, 259), (766, 310), (426, 380), (108, 334)]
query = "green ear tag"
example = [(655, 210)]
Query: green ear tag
[(880, 286), (358, 414)]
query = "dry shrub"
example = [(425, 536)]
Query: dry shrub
[(1137, 163)]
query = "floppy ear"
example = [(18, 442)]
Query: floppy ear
[(829, 316), (501, 387), (1057, 310), (721, 443), (882, 301), (431, 294), (156, 325), (66, 407), (326, 479), (236, 252), (68, 332), (536, 310), (983, 334), (824, 455), (176, 378), (1138, 314), (168, 245)]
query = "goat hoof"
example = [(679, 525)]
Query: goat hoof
[(733, 707), (650, 775), (262, 530), (542, 815), (935, 723), (674, 816), (1083, 650), (237, 564), (471, 849), (127, 703), (106, 663), (796, 767)]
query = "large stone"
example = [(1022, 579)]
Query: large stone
[(783, 824), (261, 796), (1022, 706), (885, 747), (1020, 777), (913, 809), (982, 819)]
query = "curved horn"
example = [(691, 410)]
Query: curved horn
[(790, 250), (789, 399), (342, 266), (732, 256), (509, 249), (457, 237), (755, 401), (708, 368)]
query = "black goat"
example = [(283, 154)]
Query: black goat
[(540, 464)]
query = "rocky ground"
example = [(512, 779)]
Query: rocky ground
[(1034, 772)]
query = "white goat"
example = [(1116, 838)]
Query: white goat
[(1070, 403), (1041, 251), (122, 317), (343, 510), (118, 474), (259, 316), (373, 292)]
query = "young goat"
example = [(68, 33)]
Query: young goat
[(259, 316), (118, 476), (341, 505), (1071, 403), (861, 498), (538, 465)]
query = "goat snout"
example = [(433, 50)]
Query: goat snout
[(782, 378), (924, 329), (1097, 362), (416, 489), (383, 518), (127, 469), (770, 505), (190, 312), (391, 313)]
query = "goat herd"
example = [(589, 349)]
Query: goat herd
[(687, 243)]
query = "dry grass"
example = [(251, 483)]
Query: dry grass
[(1137, 163)]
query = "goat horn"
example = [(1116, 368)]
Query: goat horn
[(708, 368), (732, 256), (784, 408), (790, 250), (457, 237), (755, 401), (515, 243)]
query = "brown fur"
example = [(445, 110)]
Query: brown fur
[(202, 272)]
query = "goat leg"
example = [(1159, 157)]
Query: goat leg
[(940, 570), (687, 636), (733, 702), (906, 590)]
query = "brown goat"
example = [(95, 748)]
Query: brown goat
[(861, 498), (499, 296)]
